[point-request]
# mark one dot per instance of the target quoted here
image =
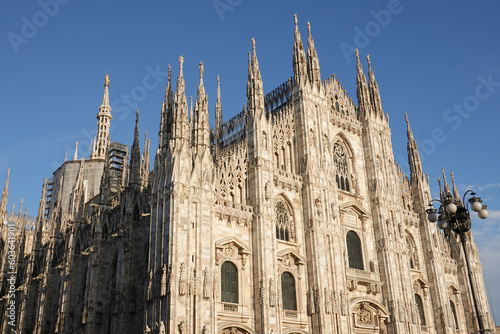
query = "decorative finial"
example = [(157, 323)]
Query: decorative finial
[(181, 61), (106, 79), (308, 27), (169, 72), (253, 44), (75, 157), (137, 115), (357, 54), (368, 59), (217, 81), (406, 117), (295, 19), (202, 69)]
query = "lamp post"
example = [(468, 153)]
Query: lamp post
[(455, 216)]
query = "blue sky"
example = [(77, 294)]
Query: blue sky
[(439, 62)]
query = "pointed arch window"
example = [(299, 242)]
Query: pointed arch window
[(229, 283), (341, 162), (284, 226), (288, 292), (354, 251), (420, 306), (454, 311)]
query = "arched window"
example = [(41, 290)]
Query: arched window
[(412, 252), (454, 311), (354, 251), (420, 306), (284, 228), (229, 283), (288, 291), (340, 160)]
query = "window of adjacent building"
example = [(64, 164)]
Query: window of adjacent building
[(229, 283), (283, 227), (420, 306), (354, 251), (288, 291), (454, 311), (340, 160)]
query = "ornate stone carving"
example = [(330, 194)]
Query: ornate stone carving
[(232, 330), (149, 290), (163, 291), (317, 299), (362, 315), (344, 303), (206, 284), (161, 328), (328, 305), (262, 291), (272, 293), (182, 327), (310, 303), (215, 285), (182, 280)]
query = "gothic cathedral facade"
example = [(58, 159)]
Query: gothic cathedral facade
[(290, 217)]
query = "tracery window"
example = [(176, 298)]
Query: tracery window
[(354, 251), (284, 228), (340, 160), (288, 292), (420, 306), (229, 283)]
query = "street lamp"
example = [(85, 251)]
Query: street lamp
[(453, 215)]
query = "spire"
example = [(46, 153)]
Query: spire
[(77, 197), (75, 157), (456, 194), (250, 76), (145, 161), (218, 113), (103, 122), (168, 90), (447, 191), (5, 195), (40, 217), (181, 126), (166, 114), (135, 156), (374, 91), (299, 56), (255, 90), (441, 193), (362, 90), (201, 126), (416, 172), (313, 70), (21, 206), (105, 98), (105, 189)]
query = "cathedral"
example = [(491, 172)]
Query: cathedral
[(292, 217)]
